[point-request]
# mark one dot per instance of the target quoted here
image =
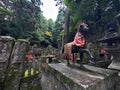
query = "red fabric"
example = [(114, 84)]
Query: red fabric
[(29, 56), (79, 40), (103, 51)]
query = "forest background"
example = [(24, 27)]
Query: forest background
[(24, 18)]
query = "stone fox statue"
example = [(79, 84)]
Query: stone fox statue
[(77, 46)]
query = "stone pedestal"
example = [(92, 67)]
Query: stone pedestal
[(113, 48), (62, 77), (116, 58)]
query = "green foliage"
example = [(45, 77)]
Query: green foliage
[(59, 26), (47, 28), (96, 13), (5, 11), (49, 34), (23, 18), (19, 17), (51, 25)]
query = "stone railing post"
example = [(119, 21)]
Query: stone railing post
[(6, 45), (16, 67)]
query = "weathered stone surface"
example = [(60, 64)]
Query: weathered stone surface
[(6, 44), (37, 51), (118, 82), (61, 77), (16, 65), (113, 48), (116, 61), (19, 51), (12, 57)]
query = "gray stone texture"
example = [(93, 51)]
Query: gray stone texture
[(116, 60), (69, 78), (6, 44), (19, 51), (12, 57), (16, 67)]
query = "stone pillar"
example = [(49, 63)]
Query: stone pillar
[(115, 63), (118, 22), (6, 45), (19, 51), (16, 68)]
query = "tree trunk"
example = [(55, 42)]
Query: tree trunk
[(66, 28)]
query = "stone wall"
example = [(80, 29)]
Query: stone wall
[(61, 77)]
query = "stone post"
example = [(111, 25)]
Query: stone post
[(15, 71), (118, 22), (6, 45)]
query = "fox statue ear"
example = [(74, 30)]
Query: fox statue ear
[(81, 28)]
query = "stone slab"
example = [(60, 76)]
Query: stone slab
[(115, 65), (116, 58), (89, 78)]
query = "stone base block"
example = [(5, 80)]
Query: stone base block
[(61, 77)]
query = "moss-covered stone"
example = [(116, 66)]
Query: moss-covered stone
[(73, 78)]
